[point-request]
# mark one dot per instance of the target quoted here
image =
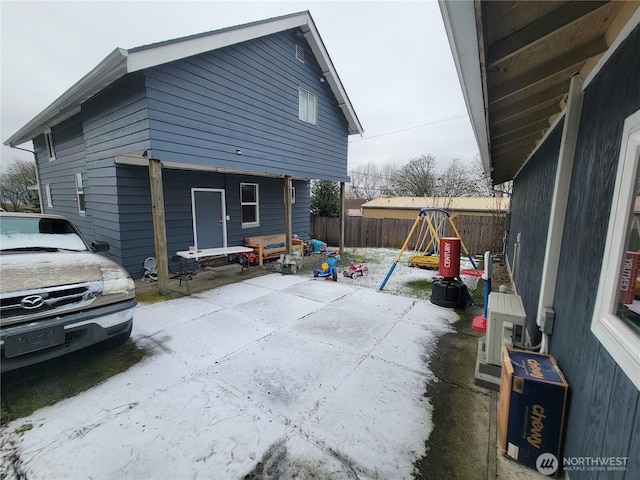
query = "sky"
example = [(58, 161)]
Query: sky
[(393, 58), (280, 369)]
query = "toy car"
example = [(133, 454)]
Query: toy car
[(355, 269), (246, 259), (328, 269)]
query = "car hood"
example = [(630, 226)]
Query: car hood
[(36, 270)]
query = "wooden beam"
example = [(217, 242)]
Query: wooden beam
[(159, 225), (547, 25), (569, 62), (287, 214)]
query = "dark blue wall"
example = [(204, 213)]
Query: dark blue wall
[(204, 108), (136, 224), (603, 416), (530, 209)]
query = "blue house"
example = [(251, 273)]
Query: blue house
[(553, 91), (197, 137)]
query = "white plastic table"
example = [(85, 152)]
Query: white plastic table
[(206, 253)]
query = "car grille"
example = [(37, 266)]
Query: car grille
[(44, 302)]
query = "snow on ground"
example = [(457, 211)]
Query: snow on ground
[(296, 375)]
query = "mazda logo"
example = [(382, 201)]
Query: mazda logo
[(31, 302)]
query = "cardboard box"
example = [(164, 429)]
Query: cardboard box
[(531, 408)]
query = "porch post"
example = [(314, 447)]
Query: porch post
[(159, 225), (342, 219), (287, 213)]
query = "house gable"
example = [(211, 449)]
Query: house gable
[(237, 108)]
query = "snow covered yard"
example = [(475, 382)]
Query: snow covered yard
[(280, 375)]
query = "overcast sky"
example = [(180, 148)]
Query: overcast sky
[(392, 57)]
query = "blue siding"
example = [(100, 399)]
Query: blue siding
[(603, 415), (136, 222), (202, 109), (530, 212)]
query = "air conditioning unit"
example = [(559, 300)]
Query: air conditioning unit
[(506, 324)]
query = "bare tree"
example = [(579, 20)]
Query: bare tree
[(369, 182), (416, 179), (457, 181), (18, 186)]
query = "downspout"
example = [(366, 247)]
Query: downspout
[(545, 315), (35, 160)]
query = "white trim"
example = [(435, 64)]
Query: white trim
[(47, 189), (614, 335), (624, 33), (459, 18), (49, 146), (257, 205), (560, 199), (80, 191), (223, 213), (120, 62)]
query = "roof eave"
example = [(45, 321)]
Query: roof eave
[(120, 62), (68, 104), (460, 24)]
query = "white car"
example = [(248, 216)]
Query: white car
[(57, 295)]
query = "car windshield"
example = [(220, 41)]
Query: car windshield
[(38, 234)]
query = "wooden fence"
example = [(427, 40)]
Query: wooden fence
[(479, 234)]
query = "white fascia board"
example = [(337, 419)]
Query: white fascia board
[(68, 104), (459, 20), (331, 75), (158, 55)]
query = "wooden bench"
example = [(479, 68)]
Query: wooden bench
[(268, 247)]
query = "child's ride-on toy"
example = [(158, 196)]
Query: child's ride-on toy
[(328, 269), (355, 269)]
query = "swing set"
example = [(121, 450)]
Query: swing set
[(426, 253)]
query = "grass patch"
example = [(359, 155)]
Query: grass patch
[(420, 288), (28, 389)]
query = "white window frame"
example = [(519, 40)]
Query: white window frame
[(305, 99), (80, 193), (47, 191), (293, 195), (256, 204), (48, 141), (622, 343)]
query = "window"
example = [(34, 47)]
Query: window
[(48, 140), (300, 53), (293, 195), (616, 319), (249, 205), (307, 106), (47, 191), (80, 193)]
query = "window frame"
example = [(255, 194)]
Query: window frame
[(622, 343), (47, 192), (303, 109), (49, 145), (80, 193), (256, 203)]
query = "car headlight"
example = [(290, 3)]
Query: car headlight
[(117, 282)]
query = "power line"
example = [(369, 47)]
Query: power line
[(408, 128)]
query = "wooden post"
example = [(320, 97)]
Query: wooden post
[(342, 219), (159, 225), (287, 213)]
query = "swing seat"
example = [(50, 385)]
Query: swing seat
[(424, 261)]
